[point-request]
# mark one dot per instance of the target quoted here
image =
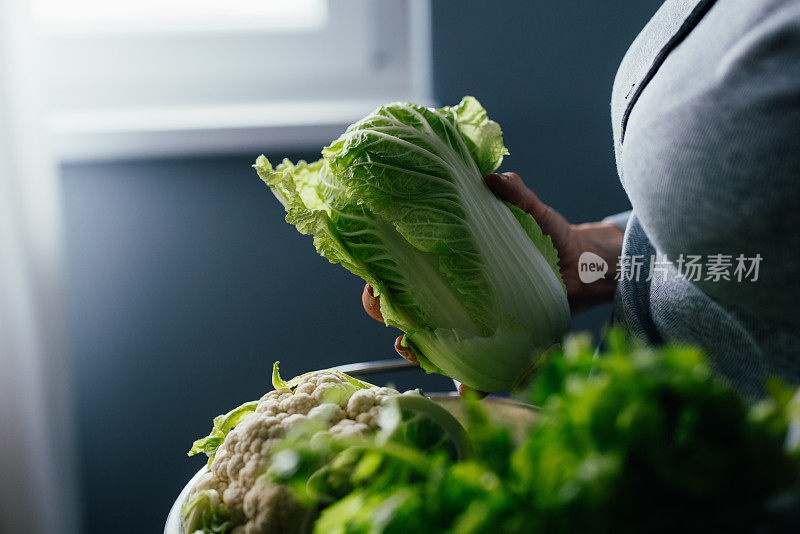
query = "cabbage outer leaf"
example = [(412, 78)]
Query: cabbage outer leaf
[(399, 200)]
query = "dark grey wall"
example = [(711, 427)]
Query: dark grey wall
[(185, 284)]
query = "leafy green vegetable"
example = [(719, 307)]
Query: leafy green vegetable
[(223, 424), (647, 438), (417, 421), (399, 200), (636, 440), (204, 512), (396, 490)]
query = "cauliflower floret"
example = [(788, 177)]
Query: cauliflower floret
[(268, 406), (274, 394), (335, 393), (243, 456), (207, 481), (364, 405), (347, 428), (327, 386), (295, 420), (272, 509), (306, 387), (327, 413), (326, 398), (299, 403)]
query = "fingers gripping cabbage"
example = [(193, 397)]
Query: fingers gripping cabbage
[(399, 200)]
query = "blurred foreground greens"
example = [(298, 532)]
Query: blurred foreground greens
[(636, 439)]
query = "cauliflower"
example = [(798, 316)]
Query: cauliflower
[(242, 443)]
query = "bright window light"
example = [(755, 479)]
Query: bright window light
[(104, 16), (143, 78)]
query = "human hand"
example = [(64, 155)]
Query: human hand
[(603, 239)]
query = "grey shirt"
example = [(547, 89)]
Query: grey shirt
[(706, 120)]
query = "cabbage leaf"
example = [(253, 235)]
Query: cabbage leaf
[(399, 200)]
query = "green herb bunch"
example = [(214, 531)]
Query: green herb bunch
[(634, 439)]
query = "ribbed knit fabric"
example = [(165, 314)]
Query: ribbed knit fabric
[(706, 122)]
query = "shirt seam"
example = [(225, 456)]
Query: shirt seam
[(686, 28)]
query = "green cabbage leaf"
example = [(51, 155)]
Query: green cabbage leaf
[(399, 200)]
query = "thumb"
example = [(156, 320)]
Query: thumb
[(509, 186)]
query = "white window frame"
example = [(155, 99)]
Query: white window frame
[(194, 92)]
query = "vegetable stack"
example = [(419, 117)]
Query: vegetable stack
[(399, 200), (637, 440)]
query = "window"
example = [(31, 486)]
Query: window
[(101, 16), (150, 77)]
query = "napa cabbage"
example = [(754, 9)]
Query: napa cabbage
[(399, 200)]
